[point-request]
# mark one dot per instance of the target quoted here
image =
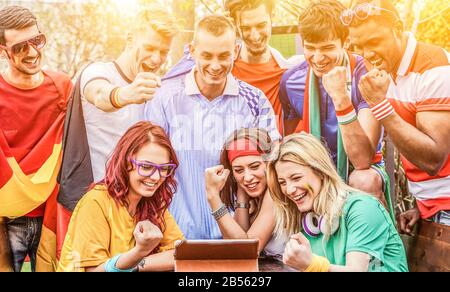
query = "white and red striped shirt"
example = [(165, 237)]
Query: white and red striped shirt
[(422, 83)]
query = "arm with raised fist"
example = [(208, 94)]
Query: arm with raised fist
[(360, 132), (427, 144), (147, 236), (109, 97), (262, 227), (298, 255)]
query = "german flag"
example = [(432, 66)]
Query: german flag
[(27, 184)]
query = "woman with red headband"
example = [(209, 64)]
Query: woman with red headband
[(123, 224), (244, 192)]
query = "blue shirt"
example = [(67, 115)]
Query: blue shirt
[(198, 129), (292, 92)]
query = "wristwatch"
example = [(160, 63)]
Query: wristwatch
[(241, 205)]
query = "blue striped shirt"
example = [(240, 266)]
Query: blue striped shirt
[(198, 128)]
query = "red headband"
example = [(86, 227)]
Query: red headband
[(240, 148)]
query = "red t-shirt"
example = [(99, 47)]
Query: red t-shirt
[(25, 116), (266, 77)]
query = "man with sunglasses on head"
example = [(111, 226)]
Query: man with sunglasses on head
[(32, 110), (408, 91), (321, 96)]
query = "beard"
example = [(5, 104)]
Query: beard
[(19, 66), (257, 52)]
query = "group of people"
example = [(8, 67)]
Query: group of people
[(234, 142)]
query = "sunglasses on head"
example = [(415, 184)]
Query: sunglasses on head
[(22, 48), (362, 12)]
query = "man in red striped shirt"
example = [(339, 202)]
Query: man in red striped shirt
[(408, 91)]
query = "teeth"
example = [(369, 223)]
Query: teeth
[(149, 184), (251, 186), (299, 197), (33, 61)]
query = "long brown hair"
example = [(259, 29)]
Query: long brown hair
[(258, 137), (117, 178)]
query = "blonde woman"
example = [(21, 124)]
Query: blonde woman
[(239, 184), (332, 227)]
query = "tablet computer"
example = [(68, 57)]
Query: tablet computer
[(227, 255)]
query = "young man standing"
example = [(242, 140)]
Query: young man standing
[(256, 63), (408, 92), (32, 111), (109, 98), (199, 110), (321, 96)]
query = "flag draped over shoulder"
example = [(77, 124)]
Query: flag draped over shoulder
[(311, 114), (27, 184)]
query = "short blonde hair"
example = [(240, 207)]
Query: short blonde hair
[(216, 24), (304, 149), (159, 19)]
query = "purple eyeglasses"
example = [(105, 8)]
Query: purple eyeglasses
[(147, 169)]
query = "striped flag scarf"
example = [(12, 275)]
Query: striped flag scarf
[(311, 114)]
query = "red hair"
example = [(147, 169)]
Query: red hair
[(117, 179)]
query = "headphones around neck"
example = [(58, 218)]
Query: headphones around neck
[(314, 224)]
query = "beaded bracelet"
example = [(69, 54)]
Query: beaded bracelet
[(114, 98)]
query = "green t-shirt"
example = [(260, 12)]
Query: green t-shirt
[(365, 226)]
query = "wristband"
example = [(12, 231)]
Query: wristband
[(382, 110), (319, 264), (346, 116), (110, 266)]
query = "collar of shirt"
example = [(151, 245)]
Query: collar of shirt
[(408, 55), (283, 62), (231, 88)]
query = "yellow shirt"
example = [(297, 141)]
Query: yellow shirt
[(100, 228)]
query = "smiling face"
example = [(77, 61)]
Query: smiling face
[(147, 186), (323, 56), (255, 26), (149, 50), (29, 63), (380, 45), (250, 173), (214, 57), (299, 183)]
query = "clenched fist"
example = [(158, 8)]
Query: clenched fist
[(215, 179), (335, 83), (147, 236), (141, 90), (374, 86), (298, 254)]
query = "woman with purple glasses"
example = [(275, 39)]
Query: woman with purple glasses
[(123, 224)]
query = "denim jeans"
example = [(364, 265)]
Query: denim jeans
[(24, 234), (442, 217)]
